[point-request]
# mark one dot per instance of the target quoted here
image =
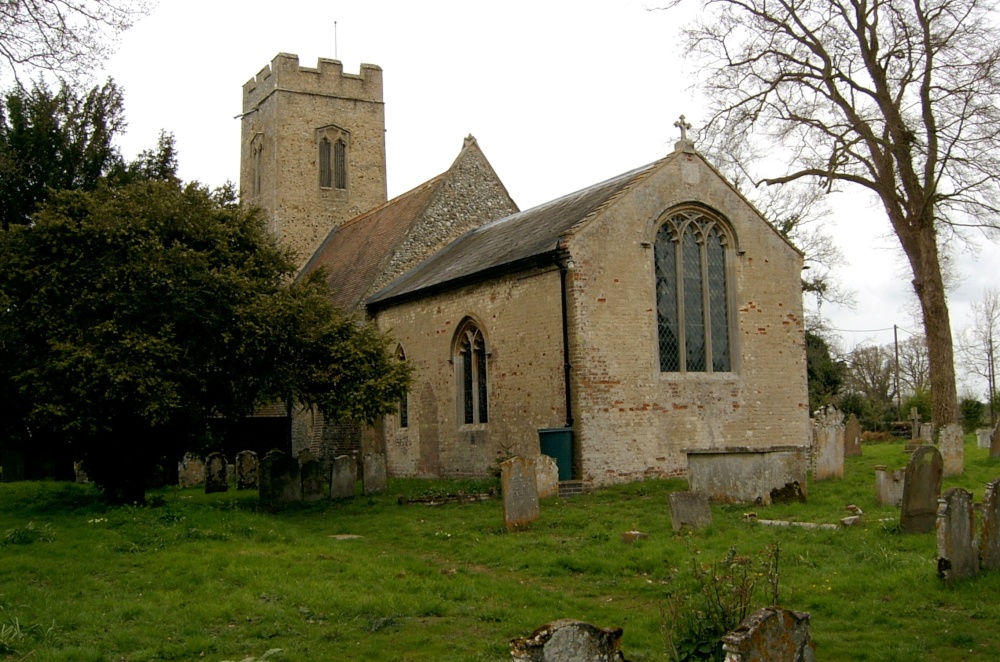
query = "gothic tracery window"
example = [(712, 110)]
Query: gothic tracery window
[(332, 143), (470, 357), (692, 261)]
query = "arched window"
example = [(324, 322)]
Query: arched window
[(404, 405), (325, 163), (470, 358), (692, 258)]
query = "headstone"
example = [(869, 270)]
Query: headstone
[(689, 509), (343, 477), (246, 470), (216, 479), (520, 492), (314, 485), (983, 437), (922, 486), (952, 446), (958, 556), (567, 640), (926, 432), (989, 537), (995, 442), (547, 476), (852, 437), (190, 471), (374, 479), (828, 444), (772, 634), (914, 419), (889, 486), (80, 475), (279, 479)]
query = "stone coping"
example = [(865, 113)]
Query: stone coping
[(730, 450)]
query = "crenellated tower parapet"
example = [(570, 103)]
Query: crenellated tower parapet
[(327, 78)]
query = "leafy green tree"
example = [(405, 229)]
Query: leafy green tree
[(54, 140), (824, 374), (973, 413), (130, 316)]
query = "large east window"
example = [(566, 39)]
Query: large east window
[(692, 256), (470, 359)]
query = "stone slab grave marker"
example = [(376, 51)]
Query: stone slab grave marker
[(889, 486), (958, 557), (952, 446), (246, 470), (374, 479), (983, 437), (568, 640), (519, 487), (922, 486), (190, 471), (216, 476), (314, 487), (828, 444), (280, 482), (914, 419), (343, 476), (852, 437), (547, 475), (689, 509), (771, 634), (989, 538)]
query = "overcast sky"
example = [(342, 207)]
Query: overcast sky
[(560, 95)]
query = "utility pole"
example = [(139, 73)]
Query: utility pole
[(895, 342)]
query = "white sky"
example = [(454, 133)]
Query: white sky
[(560, 95)]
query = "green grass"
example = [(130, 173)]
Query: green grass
[(213, 578)]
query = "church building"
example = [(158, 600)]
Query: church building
[(642, 316)]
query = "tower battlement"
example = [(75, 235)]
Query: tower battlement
[(327, 78)]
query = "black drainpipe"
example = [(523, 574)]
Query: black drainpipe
[(563, 269)]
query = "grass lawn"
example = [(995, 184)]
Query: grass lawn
[(210, 577)]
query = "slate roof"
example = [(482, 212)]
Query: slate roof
[(354, 253), (510, 243)]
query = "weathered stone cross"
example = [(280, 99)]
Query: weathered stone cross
[(915, 422), (683, 126)]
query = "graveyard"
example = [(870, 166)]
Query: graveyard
[(411, 573)]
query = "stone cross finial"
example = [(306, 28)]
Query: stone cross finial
[(683, 126)]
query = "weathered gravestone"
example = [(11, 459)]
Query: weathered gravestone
[(689, 509), (983, 437), (958, 557), (216, 478), (914, 419), (889, 486), (771, 634), (926, 432), (79, 473), (190, 471), (989, 538), (374, 478), (520, 492), (246, 470), (852, 437), (279, 479), (567, 640), (828, 444), (314, 485), (952, 447), (343, 477), (921, 489), (547, 476)]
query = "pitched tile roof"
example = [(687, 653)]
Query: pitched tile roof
[(508, 243)]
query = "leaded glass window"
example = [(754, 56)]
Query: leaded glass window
[(325, 165), (471, 356), (692, 299), (340, 164)]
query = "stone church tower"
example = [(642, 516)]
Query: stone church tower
[(312, 152)]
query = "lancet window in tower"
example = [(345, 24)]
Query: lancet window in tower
[(692, 262), (333, 144), (340, 164), (325, 163), (470, 358)]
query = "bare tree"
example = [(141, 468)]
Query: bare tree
[(870, 373), (914, 367), (69, 37), (899, 98), (979, 343)]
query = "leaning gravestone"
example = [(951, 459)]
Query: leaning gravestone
[(852, 437), (216, 478), (343, 477), (771, 634), (921, 489), (313, 480), (190, 471), (952, 446), (279, 479), (567, 640), (520, 492), (828, 444), (889, 486), (374, 477), (689, 509), (547, 475), (958, 557), (246, 470), (989, 538)]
